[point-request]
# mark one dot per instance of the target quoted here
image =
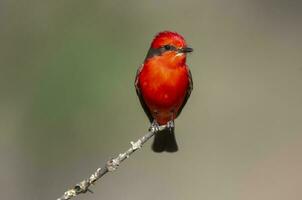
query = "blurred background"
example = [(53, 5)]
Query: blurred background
[(67, 99)]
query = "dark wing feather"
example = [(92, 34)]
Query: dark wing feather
[(189, 90), (140, 96)]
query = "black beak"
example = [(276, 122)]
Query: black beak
[(186, 50)]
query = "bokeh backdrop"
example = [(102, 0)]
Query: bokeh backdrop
[(68, 102)]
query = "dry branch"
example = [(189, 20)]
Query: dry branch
[(111, 165)]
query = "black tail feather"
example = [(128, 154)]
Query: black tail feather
[(165, 141)]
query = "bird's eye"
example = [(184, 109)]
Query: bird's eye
[(167, 47)]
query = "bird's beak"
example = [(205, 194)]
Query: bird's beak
[(186, 50)]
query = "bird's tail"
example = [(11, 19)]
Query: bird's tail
[(165, 141)]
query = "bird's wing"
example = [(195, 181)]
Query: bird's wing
[(189, 90), (140, 96)]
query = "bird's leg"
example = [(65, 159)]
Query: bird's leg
[(154, 126), (170, 124)]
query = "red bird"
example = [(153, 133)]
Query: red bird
[(164, 84)]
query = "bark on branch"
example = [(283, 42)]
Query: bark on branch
[(110, 166)]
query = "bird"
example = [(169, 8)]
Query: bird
[(163, 85)]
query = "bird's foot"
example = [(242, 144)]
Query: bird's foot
[(170, 125), (154, 126)]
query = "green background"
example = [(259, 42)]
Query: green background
[(68, 102)]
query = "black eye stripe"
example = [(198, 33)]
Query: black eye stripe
[(158, 51), (169, 48)]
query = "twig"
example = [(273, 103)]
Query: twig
[(110, 166)]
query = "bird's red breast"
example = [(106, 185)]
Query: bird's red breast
[(164, 83)]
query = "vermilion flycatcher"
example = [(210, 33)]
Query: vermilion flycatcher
[(164, 84)]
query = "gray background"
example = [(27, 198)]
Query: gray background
[(68, 102)]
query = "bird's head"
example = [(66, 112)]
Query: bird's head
[(170, 47)]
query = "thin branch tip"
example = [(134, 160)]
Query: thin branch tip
[(110, 166)]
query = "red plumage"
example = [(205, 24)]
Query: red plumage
[(164, 82), (168, 37)]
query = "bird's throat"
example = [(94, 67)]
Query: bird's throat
[(167, 61)]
